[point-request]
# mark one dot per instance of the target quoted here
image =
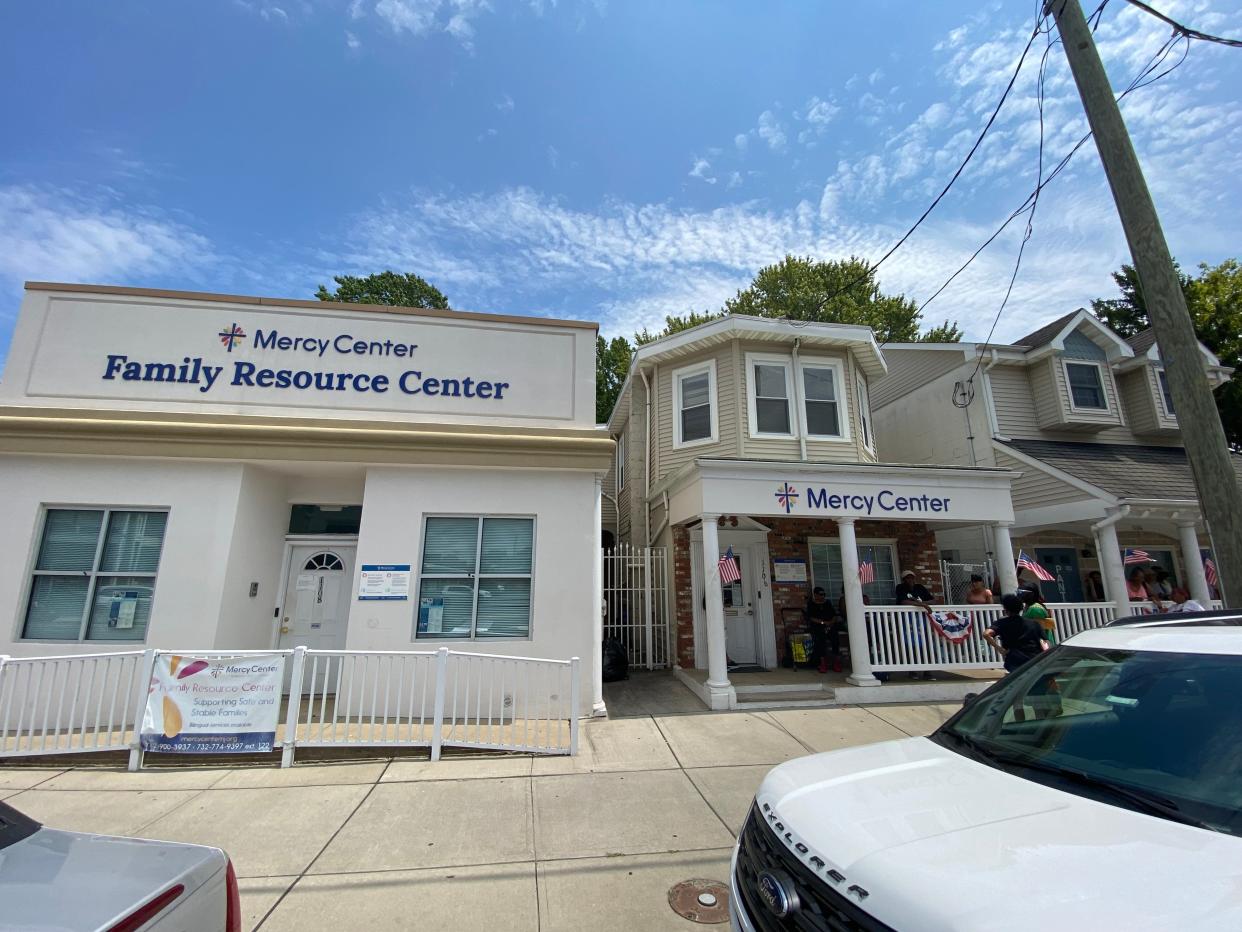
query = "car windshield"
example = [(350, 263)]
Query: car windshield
[(1157, 732)]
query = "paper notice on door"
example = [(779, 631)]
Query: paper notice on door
[(306, 582)]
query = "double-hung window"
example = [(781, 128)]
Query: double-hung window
[(694, 394), (770, 381), (826, 570), (864, 412), (94, 575), (1086, 386), (476, 578), (1166, 395), (823, 400)]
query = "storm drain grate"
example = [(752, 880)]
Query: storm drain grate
[(705, 901)]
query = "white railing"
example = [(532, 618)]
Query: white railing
[(636, 603), (432, 699), (903, 638), (69, 704)]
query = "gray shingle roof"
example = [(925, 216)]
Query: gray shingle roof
[(1045, 333), (1125, 471), (1141, 342)]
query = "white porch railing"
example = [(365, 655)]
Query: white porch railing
[(433, 699), (902, 637)]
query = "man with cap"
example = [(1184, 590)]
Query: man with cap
[(912, 592)]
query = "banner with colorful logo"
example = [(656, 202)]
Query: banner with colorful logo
[(217, 706), (952, 626)]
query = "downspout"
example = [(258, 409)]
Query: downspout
[(646, 455), (798, 399)]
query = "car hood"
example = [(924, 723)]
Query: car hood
[(940, 841), (56, 880)]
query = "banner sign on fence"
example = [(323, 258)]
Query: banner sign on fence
[(388, 581), (219, 706)]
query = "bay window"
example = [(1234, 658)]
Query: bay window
[(823, 392)]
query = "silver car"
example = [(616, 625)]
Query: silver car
[(54, 880)]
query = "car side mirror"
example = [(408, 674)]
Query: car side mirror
[(968, 699)]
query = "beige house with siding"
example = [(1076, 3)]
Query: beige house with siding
[(756, 437), (1086, 421)]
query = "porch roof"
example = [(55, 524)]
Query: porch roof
[(946, 495)]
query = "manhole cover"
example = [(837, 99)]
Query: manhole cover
[(705, 901)]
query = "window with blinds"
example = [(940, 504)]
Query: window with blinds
[(94, 577), (476, 578), (826, 571)]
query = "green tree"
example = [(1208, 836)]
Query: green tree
[(1214, 299), (390, 288), (612, 363), (839, 291)]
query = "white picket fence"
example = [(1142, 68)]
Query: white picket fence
[(87, 703), (902, 637), (636, 603)]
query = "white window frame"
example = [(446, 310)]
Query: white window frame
[(752, 398), (476, 576), (889, 542), (621, 459), (1069, 388), (94, 573), (843, 397), (1162, 381), (679, 376), (865, 424)]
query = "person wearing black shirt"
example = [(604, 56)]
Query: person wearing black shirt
[(912, 592), (1017, 639), (821, 618)]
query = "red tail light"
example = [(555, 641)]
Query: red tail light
[(232, 912), (148, 911)]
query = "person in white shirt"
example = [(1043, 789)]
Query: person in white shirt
[(1182, 602)]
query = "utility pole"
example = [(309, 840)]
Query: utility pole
[(1219, 495)]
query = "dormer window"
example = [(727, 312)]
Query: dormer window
[(1086, 386), (1166, 396)]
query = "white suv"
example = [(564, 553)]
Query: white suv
[(1098, 787)]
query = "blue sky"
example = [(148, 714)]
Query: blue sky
[(613, 161)]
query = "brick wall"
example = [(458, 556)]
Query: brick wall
[(916, 550)]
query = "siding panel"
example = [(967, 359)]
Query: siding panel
[(909, 370), (1036, 489)]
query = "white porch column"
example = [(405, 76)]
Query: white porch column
[(1112, 569), (855, 610), (1006, 572), (597, 589), (718, 686), (1196, 581)]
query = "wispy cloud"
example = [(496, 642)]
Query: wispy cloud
[(352, 41), (771, 131), (702, 170), (505, 104), (59, 234)]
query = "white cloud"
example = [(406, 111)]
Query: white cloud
[(701, 170), (62, 235), (413, 16), (355, 9), (505, 104), (554, 157), (875, 76), (735, 180), (352, 40), (817, 115), (771, 131), (741, 141)]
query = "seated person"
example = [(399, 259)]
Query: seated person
[(821, 618)]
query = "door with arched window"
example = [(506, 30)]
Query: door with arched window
[(316, 604)]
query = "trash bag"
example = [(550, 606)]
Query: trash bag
[(616, 662)]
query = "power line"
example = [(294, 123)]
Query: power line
[(871, 268), (1185, 30), (1138, 82)]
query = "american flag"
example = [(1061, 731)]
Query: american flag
[(1028, 563), (1209, 571), (729, 571), (866, 572), (1134, 555)]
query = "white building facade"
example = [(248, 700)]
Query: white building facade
[(192, 471)]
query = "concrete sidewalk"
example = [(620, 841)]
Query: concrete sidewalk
[(586, 843)]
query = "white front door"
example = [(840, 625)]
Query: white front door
[(741, 643), (316, 605)]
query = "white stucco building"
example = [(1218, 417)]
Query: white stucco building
[(197, 471)]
